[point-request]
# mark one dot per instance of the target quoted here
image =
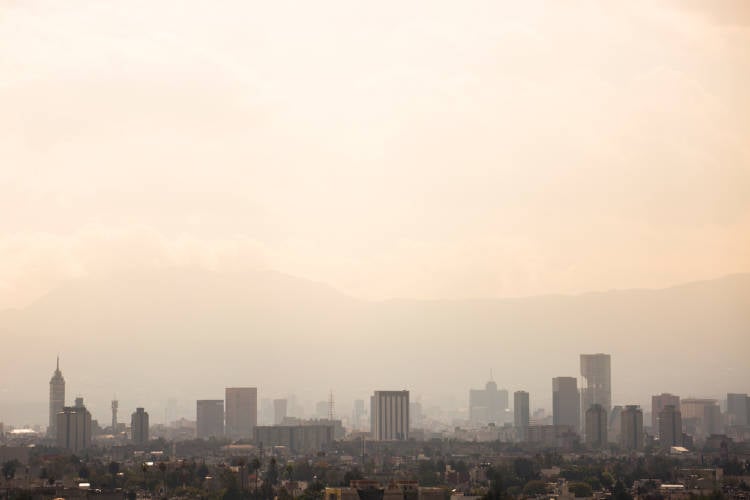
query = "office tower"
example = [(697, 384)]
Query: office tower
[(615, 420), (358, 414), (701, 416), (73, 427), (737, 409), (597, 386), (566, 402), (242, 411), (139, 426), (56, 399), (209, 418), (670, 427), (521, 414), (658, 403), (488, 405), (631, 428), (389, 415), (596, 426), (115, 404), (279, 411)]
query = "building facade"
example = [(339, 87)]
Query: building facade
[(241, 406), (279, 411), (209, 418), (670, 427), (139, 426), (521, 414), (631, 428), (595, 428), (56, 399), (566, 402), (738, 406), (309, 438), (73, 427), (488, 405), (389, 415), (596, 371), (658, 403)]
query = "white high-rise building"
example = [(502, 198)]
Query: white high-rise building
[(56, 399), (389, 415)]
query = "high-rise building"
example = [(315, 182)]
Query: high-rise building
[(139, 426), (658, 403), (358, 414), (701, 416), (73, 427), (670, 427), (521, 414), (389, 415), (56, 399), (209, 418), (488, 405), (279, 411), (566, 402), (597, 378), (737, 409), (241, 412), (631, 428), (115, 405), (596, 426)]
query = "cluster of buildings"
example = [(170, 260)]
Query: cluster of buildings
[(580, 415)]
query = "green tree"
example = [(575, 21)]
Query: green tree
[(534, 487), (580, 490)]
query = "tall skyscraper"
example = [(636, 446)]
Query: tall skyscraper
[(737, 409), (209, 418), (596, 426), (242, 412), (389, 415), (631, 428), (521, 414), (139, 426), (279, 411), (115, 405), (670, 427), (488, 405), (566, 402), (358, 414), (658, 403), (597, 377), (701, 416), (56, 399), (73, 427)]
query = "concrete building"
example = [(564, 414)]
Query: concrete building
[(566, 402), (631, 428), (209, 418), (701, 416), (521, 414), (658, 403), (279, 411), (139, 426), (596, 371), (596, 427), (73, 427), (389, 415), (115, 406), (297, 438), (488, 405), (670, 427), (738, 406), (56, 399), (241, 411)]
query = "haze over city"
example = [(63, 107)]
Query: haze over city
[(322, 200)]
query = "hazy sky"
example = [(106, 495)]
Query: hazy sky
[(421, 149)]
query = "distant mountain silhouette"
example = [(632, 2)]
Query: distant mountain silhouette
[(188, 333)]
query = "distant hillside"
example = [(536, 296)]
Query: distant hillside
[(188, 333)]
